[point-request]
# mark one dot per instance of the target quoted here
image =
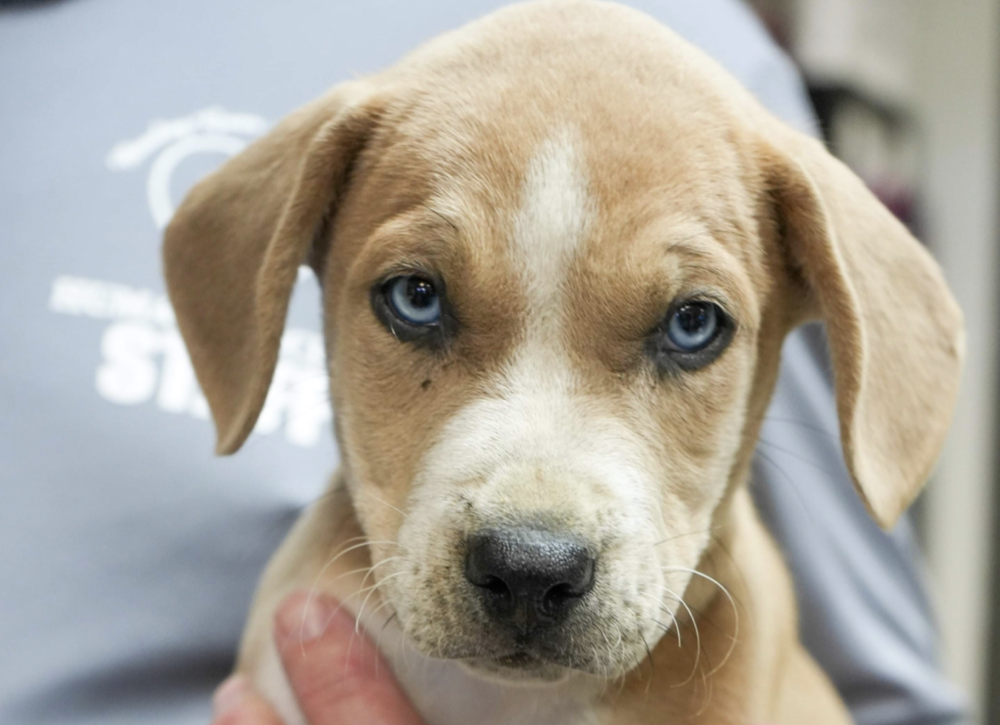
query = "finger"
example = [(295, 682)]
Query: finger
[(235, 703), (338, 676)]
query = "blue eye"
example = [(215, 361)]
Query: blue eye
[(693, 326), (414, 300), (692, 335)]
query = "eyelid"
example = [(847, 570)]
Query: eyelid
[(407, 269), (704, 295), (701, 295), (694, 295)]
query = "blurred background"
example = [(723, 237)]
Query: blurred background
[(908, 94)]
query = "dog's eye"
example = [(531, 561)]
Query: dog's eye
[(693, 334), (414, 300), (414, 308), (693, 325)]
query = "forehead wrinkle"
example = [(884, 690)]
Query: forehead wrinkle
[(415, 238), (445, 218), (700, 244)]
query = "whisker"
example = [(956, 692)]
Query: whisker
[(697, 635), (703, 617), (371, 591), (611, 649), (381, 631), (732, 602), (373, 567), (312, 589), (689, 533), (368, 569), (384, 503), (652, 665), (719, 546), (387, 622), (673, 621), (357, 621)]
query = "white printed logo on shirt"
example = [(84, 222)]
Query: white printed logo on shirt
[(143, 358), (213, 130)]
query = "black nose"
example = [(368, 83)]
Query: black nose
[(526, 576)]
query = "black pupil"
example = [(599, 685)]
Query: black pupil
[(693, 317), (420, 292)]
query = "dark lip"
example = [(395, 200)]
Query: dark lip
[(519, 659)]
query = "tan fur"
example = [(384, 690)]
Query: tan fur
[(569, 169)]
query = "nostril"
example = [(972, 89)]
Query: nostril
[(563, 595), (482, 565), (559, 596), (496, 585), (482, 571)]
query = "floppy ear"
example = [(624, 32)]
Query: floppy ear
[(232, 251), (896, 334)]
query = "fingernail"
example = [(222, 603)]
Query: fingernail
[(230, 694), (306, 618)]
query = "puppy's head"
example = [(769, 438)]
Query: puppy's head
[(559, 252)]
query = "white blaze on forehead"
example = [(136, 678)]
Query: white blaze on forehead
[(550, 227), (531, 410)]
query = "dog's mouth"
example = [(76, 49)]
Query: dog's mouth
[(543, 655), (518, 665), (520, 659)]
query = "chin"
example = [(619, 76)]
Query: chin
[(519, 669)]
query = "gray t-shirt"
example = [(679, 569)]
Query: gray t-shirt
[(129, 553)]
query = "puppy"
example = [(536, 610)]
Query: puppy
[(559, 251)]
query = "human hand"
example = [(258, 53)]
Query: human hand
[(338, 677)]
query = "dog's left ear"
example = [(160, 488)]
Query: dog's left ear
[(896, 334), (232, 252)]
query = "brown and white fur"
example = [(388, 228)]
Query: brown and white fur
[(567, 169)]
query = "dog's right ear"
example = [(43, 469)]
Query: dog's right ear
[(232, 252)]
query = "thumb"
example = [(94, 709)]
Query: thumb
[(338, 675)]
